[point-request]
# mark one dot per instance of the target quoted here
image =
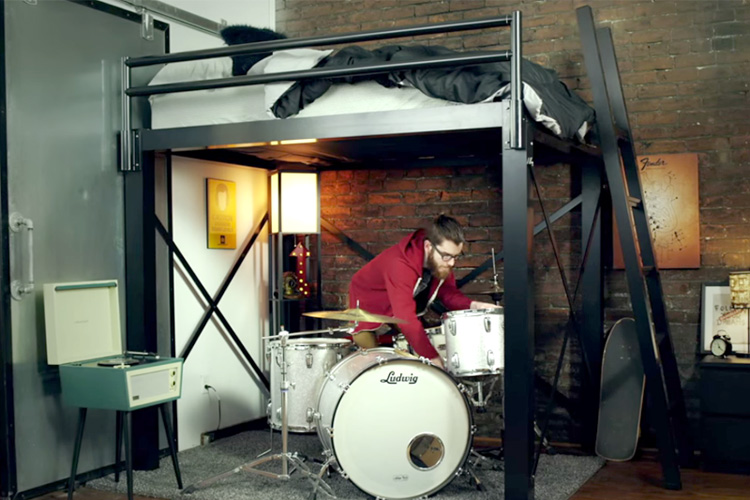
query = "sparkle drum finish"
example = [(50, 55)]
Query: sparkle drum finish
[(308, 359), (474, 340), (396, 426)]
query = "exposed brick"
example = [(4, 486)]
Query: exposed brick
[(684, 70)]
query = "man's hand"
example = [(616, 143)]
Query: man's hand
[(475, 304), (438, 361)]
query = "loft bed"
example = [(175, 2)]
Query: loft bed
[(499, 133)]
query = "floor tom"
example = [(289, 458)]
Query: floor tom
[(307, 360)]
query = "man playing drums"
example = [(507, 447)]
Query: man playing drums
[(406, 278)]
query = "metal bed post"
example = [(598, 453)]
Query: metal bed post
[(518, 221), (140, 265), (126, 139), (518, 407), (516, 84)]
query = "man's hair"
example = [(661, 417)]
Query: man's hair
[(445, 228)]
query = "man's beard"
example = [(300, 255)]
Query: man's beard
[(439, 272)]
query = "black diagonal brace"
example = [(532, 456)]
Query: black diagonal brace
[(213, 307), (562, 211), (563, 277), (227, 281), (359, 249)]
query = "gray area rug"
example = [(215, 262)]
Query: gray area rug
[(558, 476)]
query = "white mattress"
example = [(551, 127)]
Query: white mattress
[(242, 104), (253, 102)]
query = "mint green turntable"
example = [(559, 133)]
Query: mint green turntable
[(84, 339)]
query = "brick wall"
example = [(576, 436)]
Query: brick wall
[(685, 68)]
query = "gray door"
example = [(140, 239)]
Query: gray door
[(63, 116)]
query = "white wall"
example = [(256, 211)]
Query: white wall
[(215, 360)]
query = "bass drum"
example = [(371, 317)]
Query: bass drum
[(397, 427)]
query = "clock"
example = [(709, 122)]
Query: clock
[(720, 346)]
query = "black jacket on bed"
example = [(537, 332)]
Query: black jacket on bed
[(464, 84)]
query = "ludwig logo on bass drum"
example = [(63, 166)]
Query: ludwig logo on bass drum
[(392, 378)]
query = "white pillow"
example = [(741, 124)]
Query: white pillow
[(190, 71), (285, 60)]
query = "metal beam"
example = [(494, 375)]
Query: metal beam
[(318, 41), (320, 73)]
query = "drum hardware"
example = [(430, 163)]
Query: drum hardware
[(287, 458), (477, 393), (495, 290)]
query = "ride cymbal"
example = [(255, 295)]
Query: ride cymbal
[(354, 314)]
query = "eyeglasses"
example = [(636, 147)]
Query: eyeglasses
[(446, 256)]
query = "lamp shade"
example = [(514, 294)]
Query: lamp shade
[(295, 203)]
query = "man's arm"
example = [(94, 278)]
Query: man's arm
[(455, 300), (451, 296), (399, 283)]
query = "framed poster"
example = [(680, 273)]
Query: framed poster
[(719, 318), (221, 213), (670, 192)]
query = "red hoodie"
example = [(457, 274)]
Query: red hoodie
[(386, 286)]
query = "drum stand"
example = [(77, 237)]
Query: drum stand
[(285, 456), (476, 389)]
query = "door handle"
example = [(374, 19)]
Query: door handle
[(19, 288)]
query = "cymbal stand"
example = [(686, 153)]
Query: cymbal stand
[(285, 456), (329, 331), (497, 296)]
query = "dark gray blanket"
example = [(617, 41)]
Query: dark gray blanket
[(464, 84)]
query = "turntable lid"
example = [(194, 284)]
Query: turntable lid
[(82, 320)]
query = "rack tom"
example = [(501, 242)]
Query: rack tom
[(474, 340)]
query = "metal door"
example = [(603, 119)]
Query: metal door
[(63, 212)]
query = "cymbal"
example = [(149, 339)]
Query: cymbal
[(493, 290), (354, 314)]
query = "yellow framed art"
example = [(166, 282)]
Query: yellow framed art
[(221, 213)]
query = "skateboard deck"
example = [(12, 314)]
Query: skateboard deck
[(622, 388)]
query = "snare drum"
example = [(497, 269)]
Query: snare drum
[(397, 427), (474, 340), (307, 359), (436, 336)]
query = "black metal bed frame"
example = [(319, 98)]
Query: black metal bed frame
[(517, 140)]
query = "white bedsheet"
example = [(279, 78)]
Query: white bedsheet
[(242, 104), (253, 102)]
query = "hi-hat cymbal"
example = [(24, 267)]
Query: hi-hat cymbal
[(354, 314)]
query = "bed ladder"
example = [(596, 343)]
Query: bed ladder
[(665, 401)]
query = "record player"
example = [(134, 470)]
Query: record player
[(84, 338)]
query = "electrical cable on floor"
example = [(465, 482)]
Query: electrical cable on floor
[(218, 400)]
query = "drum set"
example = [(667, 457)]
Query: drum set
[(391, 422)]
